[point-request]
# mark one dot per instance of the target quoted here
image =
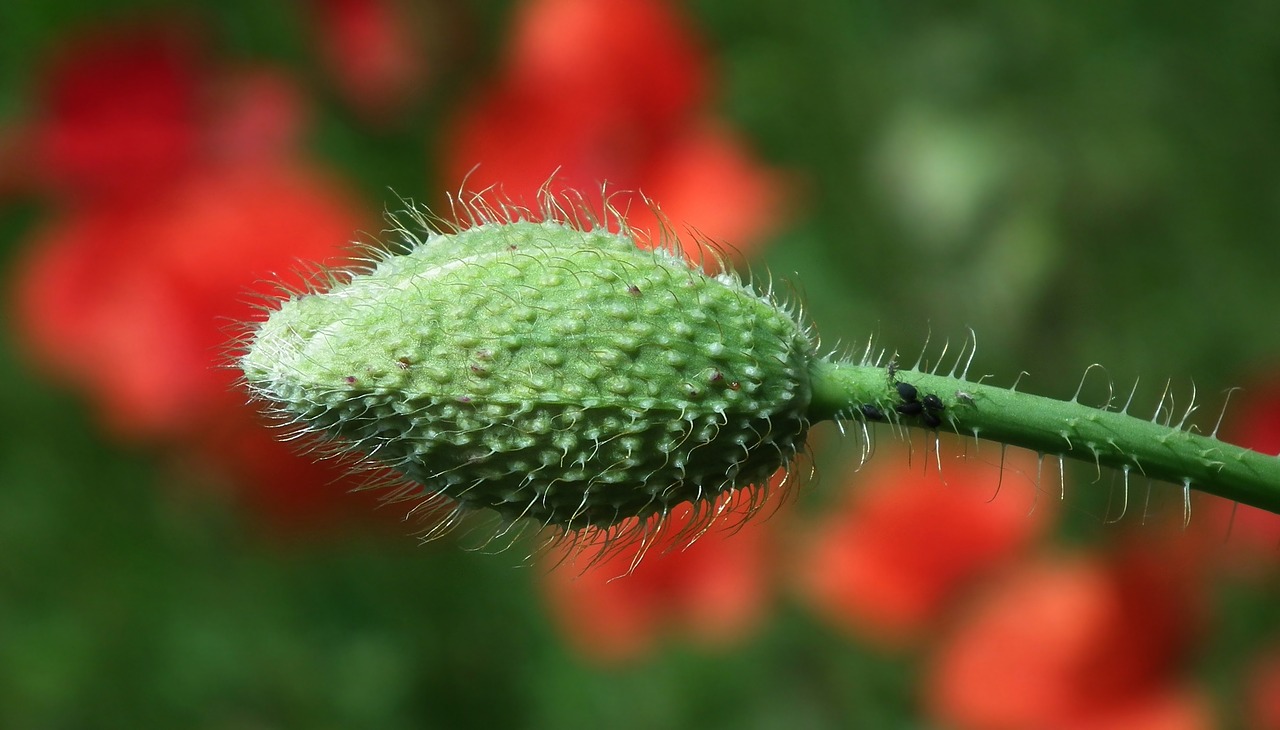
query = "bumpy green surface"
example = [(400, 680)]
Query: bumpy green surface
[(545, 372)]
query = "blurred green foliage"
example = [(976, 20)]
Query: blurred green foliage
[(1078, 182)]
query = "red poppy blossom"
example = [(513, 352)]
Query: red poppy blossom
[(888, 562), (15, 160), (134, 307), (1073, 643), (615, 92), (134, 304), (151, 255), (1240, 539), (125, 112), (374, 50), (1263, 693), (119, 112), (712, 592), (1251, 535), (257, 115)]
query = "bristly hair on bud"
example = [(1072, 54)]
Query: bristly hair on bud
[(551, 366)]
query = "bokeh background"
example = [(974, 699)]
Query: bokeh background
[(1077, 182)]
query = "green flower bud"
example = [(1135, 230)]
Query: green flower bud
[(551, 370)]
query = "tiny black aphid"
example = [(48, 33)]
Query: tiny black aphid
[(910, 409), (871, 412)]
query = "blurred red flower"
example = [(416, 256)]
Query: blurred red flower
[(133, 304), (119, 112), (612, 91), (713, 591), (168, 216), (1263, 698), (1249, 537), (889, 561), (1241, 540), (375, 51), (1074, 643), (124, 112)]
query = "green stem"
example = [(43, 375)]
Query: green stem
[(1065, 428)]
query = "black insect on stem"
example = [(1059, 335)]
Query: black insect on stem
[(870, 412), (907, 392), (933, 407), (914, 408)]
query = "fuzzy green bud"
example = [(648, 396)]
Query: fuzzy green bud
[(544, 370)]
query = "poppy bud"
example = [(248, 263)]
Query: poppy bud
[(548, 370)]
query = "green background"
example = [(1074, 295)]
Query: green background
[(1078, 182)]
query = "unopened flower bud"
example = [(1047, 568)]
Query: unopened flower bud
[(545, 370)]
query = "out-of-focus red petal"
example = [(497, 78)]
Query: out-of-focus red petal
[(593, 90), (186, 199), (1257, 426), (712, 592), (1263, 693), (135, 305), (638, 56), (610, 93), (258, 115), (120, 112), (51, 288), (708, 179), (1245, 539), (890, 561), (1175, 708), (374, 49), (705, 179), (511, 140), (1070, 643), (1049, 616), (1252, 420), (16, 160), (287, 489)]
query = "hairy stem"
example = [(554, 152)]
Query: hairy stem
[(1065, 428)]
